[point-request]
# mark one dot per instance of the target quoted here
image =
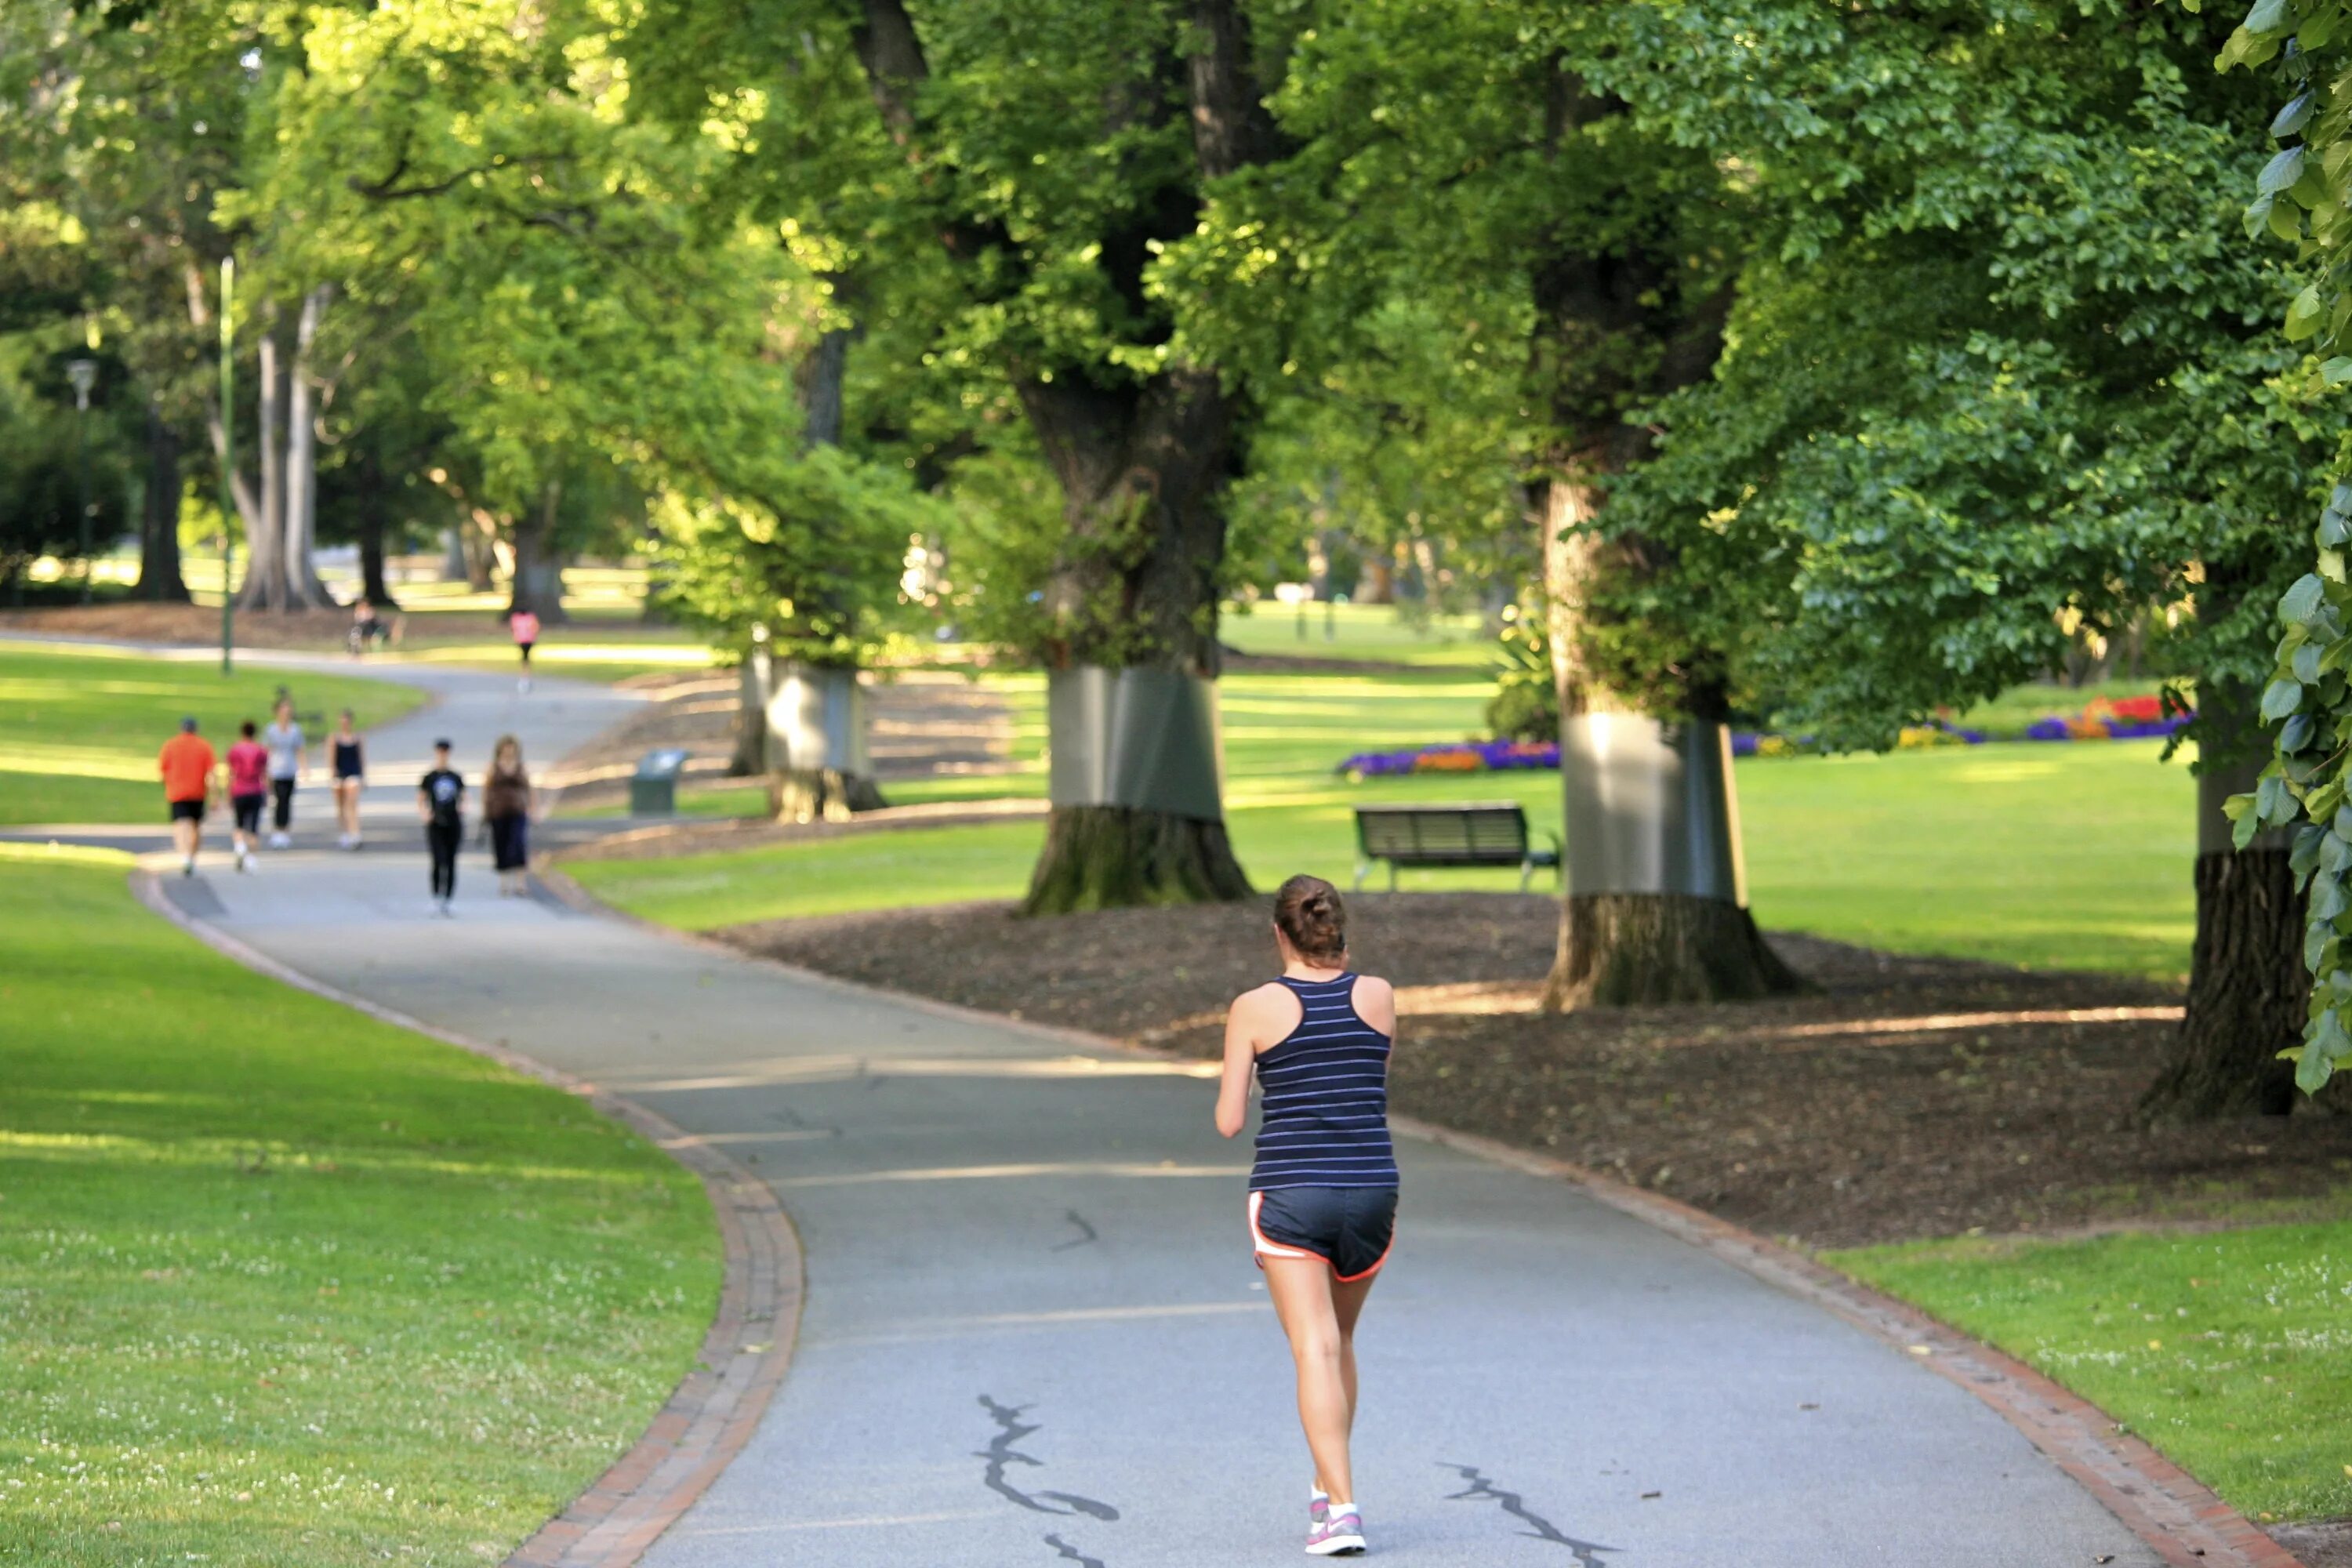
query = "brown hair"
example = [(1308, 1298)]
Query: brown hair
[(1308, 911)]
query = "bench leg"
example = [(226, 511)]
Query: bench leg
[(1363, 869), (1526, 873), (1392, 869)]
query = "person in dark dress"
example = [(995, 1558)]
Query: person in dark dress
[(507, 802)]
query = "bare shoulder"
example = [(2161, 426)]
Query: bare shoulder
[(1375, 1002), (1262, 1001)]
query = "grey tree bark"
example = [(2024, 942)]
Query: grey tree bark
[(265, 571), (300, 531), (538, 584), (159, 520), (2248, 989)]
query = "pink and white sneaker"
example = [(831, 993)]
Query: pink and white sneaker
[(1339, 1533)]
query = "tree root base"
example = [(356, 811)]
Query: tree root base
[(1628, 949), (1112, 857), (2248, 992), (821, 795)]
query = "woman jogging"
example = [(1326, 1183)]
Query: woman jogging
[(525, 628), (289, 754), (351, 777), (248, 786), (507, 805), (1323, 1192)]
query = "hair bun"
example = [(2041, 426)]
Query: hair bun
[(1310, 917)]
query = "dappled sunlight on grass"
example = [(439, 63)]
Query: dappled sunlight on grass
[(80, 727), (2226, 1350), (287, 1287)]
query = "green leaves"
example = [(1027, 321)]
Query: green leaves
[(2305, 314), (2300, 606)]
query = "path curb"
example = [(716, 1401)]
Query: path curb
[(716, 1407), (2178, 1516)]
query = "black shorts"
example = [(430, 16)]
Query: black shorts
[(1347, 1228), (187, 811), (247, 808)]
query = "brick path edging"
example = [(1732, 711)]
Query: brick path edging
[(2176, 1514), (713, 1411), (2179, 1518)]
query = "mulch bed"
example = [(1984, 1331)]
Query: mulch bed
[(1890, 1106)]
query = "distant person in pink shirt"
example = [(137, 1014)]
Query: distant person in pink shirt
[(525, 626), (248, 789)]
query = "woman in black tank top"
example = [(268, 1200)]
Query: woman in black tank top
[(351, 777), (1323, 1190)]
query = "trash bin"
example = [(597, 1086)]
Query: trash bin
[(653, 789)]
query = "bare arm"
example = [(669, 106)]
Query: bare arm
[(1241, 1030), (1375, 1003)]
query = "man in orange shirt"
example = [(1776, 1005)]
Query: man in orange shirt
[(187, 764)]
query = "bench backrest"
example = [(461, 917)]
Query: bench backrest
[(1499, 830)]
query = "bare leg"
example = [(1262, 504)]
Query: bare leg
[(184, 837), (1303, 1294), (1348, 1305)]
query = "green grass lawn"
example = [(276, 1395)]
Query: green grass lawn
[(2070, 855), (283, 1286), (1385, 634), (2227, 1351), (79, 728)]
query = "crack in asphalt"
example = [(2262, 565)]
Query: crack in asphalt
[(1079, 1220), (1481, 1489), (1071, 1554), (1001, 1454)]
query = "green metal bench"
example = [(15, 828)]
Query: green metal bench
[(1481, 833)]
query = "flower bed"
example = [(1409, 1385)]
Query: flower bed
[(2131, 719)]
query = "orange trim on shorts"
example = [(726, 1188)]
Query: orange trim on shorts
[(1262, 1249)]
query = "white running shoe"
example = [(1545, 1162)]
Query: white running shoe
[(1340, 1534), (280, 841)]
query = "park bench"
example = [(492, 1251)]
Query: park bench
[(1491, 833)]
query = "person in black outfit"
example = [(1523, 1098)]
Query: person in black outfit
[(440, 795)]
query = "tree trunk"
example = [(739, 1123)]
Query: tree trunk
[(454, 565), (821, 795), (373, 526), (2247, 988), (159, 514), (1140, 464), (1135, 587), (538, 583), (265, 573), (480, 544), (1620, 950), (1656, 911), (303, 588), (1110, 857)]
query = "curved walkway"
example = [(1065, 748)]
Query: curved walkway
[(1033, 1333)]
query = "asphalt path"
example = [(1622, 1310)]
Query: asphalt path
[(1032, 1331)]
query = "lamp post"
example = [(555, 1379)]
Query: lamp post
[(227, 461), (83, 373)]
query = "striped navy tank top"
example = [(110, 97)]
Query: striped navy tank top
[(1323, 1107)]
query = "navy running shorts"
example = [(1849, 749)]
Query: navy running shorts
[(1347, 1228)]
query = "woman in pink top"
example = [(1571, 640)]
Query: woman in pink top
[(525, 626), (248, 787)]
